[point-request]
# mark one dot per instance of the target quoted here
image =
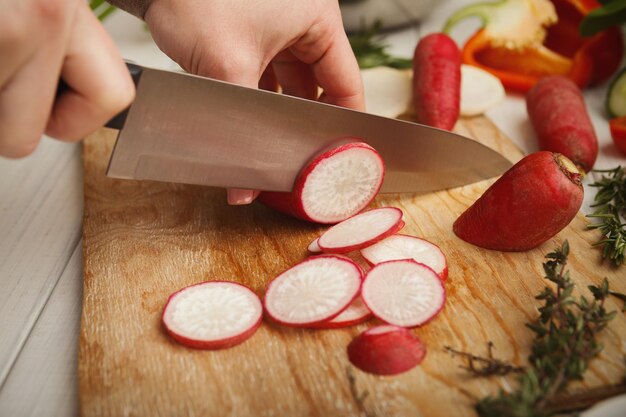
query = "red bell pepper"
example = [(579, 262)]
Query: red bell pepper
[(618, 133), (521, 49)]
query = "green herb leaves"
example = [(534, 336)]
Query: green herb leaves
[(371, 53)]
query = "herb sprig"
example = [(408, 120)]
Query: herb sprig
[(564, 343), (610, 209), (372, 53), (101, 9)]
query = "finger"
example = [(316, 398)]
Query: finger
[(334, 66), (100, 84), (268, 80), (294, 76)]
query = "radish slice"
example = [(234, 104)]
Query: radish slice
[(361, 230), (387, 91), (212, 315), (404, 293), (480, 90), (386, 350), (334, 186), (314, 246), (357, 312), (313, 291), (398, 247)]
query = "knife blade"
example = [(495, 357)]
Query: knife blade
[(190, 129)]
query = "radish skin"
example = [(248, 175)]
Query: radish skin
[(558, 113), (357, 312), (437, 81), (336, 185), (386, 350), (529, 204)]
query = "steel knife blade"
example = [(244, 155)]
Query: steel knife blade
[(190, 129)]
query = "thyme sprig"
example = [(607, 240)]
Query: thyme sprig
[(564, 343), (372, 53), (610, 210), (101, 9)]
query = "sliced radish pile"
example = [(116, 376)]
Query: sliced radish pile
[(386, 350), (313, 291), (480, 90), (361, 230), (212, 315), (334, 186), (357, 312), (398, 247), (314, 246), (404, 293)]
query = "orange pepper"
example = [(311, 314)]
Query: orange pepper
[(586, 61)]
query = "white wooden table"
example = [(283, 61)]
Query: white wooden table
[(40, 228)]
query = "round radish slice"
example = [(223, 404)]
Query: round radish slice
[(334, 186), (404, 293), (480, 90), (313, 291), (398, 247), (357, 312), (386, 350), (361, 230), (314, 246), (212, 315)]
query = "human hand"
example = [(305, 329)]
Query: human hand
[(41, 41), (301, 44)]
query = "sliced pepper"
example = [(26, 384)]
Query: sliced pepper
[(618, 133), (538, 44)]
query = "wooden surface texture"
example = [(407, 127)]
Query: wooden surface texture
[(145, 240)]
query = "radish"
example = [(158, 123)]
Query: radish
[(398, 247), (357, 312), (334, 186), (212, 315), (314, 246), (480, 90), (526, 206), (361, 230), (386, 350), (387, 91), (437, 81), (404, 293), (315, 290), (559, 116)]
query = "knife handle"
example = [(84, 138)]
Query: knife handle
[(117, 122)]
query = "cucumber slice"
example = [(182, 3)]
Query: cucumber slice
[(616, 97)]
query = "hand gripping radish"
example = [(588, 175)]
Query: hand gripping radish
[(404, 293), (334, 186), (526, 206), (398, 247), (313, 291), (361, 230), (212, 315), (386, 350)]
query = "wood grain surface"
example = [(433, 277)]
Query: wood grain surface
[(145, 240)]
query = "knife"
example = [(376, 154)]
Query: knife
[(191, 129)]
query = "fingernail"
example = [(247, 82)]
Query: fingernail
[(237, 197)]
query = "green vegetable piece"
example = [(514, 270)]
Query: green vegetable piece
[(602, 18), (616, 95)]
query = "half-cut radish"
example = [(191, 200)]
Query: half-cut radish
[(404, 293), (386, 350), (398, 247), (361, 230), (314, 246), (334, 186), (315, 290), (212, 315), (357, 312)]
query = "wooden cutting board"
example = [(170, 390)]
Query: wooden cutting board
[(145, 240)]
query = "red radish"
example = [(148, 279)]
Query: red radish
[(361, 230), (357, 312), (212, 315), (398, 247), (386, 350), (530, 203), (559, 116), (334, 186), (315, 290), (404, 293), (437, 81), (314, 246)]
